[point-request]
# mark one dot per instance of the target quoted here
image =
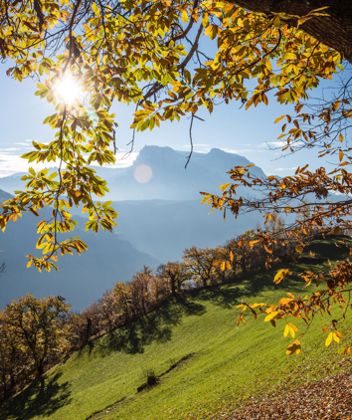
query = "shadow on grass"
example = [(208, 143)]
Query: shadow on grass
[(156, 326), (233, 291), (38, 400), (237, 289), (224, 295)]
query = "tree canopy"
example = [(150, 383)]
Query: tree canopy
[(149, 54)]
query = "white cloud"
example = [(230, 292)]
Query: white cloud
[(238, 151), (287, 170), (11, 161), (197, 147), (124, 159), (277, 144), (26, 144)]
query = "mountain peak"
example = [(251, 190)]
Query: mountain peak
[(216, 150), (152, 150), (166, 152), (159, 173)]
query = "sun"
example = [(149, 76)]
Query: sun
[(68, 90)]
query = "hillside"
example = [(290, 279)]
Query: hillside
[(206, 365)]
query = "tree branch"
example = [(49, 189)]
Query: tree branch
[(334, 30)]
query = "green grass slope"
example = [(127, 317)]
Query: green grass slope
[(206, 365)]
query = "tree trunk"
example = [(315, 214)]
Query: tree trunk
[(4, 386), (40, 377), (173, 286), (334, 30), (88, 331)]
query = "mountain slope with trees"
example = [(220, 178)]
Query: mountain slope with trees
[(198, 362), (184, 356)]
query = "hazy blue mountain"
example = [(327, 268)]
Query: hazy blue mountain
[(157, 220), (4, 196), (169, 179), (164, 216), (81, 279), (165, 228), (12, 182)]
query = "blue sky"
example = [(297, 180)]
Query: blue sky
[(250, 133)]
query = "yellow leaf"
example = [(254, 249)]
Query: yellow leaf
[(341, 155), (281, 274), (271, 316), (285, 301), (243, 307), (251, 244), (294, 348), (257, 305), (184, 16), (336, 105), (341, 138), (290, 329), (328, 340), (278, 119), (299, 249), (224, 187)]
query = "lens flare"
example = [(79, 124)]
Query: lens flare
[(68, 90), (143, 174)]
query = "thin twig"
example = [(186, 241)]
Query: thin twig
[(191, 141)]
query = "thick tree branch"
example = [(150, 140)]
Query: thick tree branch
[(334, 30)]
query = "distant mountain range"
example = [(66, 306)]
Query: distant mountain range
[(165, 228), (160, 173), (160, 214), (81, 279)]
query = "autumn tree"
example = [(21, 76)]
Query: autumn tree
[(123, 302), (201, 264), (141, 292), (175, 274), (148, 54), (241, 249), (80, 330), (38, 327), (14, 361)]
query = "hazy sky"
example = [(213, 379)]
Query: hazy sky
[(249, 133)]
